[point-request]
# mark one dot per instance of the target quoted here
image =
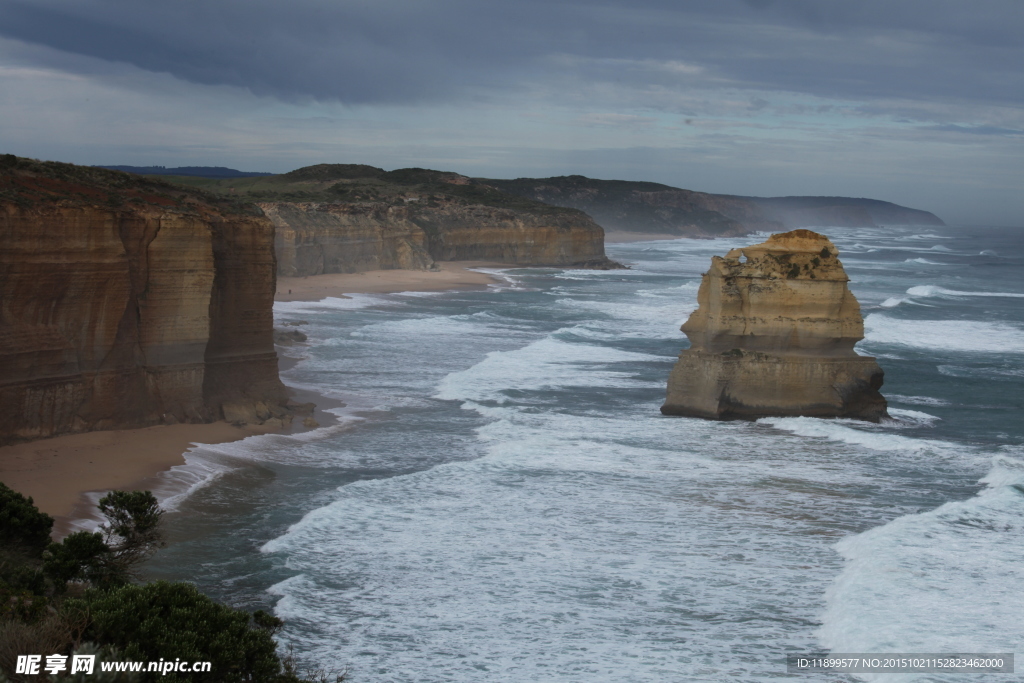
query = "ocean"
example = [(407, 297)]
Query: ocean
[(501, 500)]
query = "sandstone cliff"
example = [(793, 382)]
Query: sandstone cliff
[(344, 218), (773, 335), (316, 238), (125, 302)]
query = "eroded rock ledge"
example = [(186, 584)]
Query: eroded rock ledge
[(773, 335)]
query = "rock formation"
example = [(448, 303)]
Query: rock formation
[(347, 218), (773, 335), (316, 238), (126, 302)]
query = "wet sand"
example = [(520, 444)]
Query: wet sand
[(451, 275)]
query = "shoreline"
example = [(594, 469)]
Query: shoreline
[(622, 237), (451, 275), (63, 474)]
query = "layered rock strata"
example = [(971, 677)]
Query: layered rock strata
[(127, 303), (773, 335), (316, 238), (349, 237)]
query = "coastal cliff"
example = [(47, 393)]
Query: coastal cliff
[(346, 218), (850, 212), (126, 302), (773, 335), (315, 238), (632, 206)]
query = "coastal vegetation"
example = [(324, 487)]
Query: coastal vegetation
[(361, 183), (81, 596)]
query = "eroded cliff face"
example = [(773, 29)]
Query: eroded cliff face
[(123, 306), (316, 238), (348, 237), (773, 335), (485, 233)]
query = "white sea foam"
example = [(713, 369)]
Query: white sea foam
[(860, 434), (931, 290), (332, 303), (944, 335), (924, 262), (573, 534), (912, 418), (577, 549), (917, 400), (955, 569), (545, 364), (1011, 374)]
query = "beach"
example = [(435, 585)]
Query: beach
[(621, 237), (58, 472), (450, 275)]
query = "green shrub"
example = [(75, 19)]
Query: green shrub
[(81, 556), (168, 621), (22, 525)]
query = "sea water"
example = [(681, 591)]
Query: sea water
[(501, 500)]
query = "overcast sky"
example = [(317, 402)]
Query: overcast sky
[(913, 101)]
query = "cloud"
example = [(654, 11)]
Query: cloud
[(408, 51)]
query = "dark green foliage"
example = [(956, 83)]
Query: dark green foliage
[(164, 620), (81, 556), (326, 172), (794, 271), (81, 183), (132, 515), (21, 604), (132, 529), (22, 525), (267, 622), (825, 253), (335, 183)]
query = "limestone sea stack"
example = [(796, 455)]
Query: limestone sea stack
[(773, 335)]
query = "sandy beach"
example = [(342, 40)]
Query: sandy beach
[(620, 236), (58, 472), (451, 275)]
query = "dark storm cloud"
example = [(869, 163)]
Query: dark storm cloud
[(395, 51)]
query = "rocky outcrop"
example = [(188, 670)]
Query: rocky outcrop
[(125, 302), (773, 335), (316, 238)]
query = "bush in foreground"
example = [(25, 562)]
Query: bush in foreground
[(78, 596)]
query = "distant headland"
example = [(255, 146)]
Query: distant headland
[(197, 171)]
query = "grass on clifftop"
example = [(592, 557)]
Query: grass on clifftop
[(27, 182), (330, 183)]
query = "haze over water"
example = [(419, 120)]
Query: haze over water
[(502, 500)]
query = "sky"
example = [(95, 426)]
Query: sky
[(918, 102)]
